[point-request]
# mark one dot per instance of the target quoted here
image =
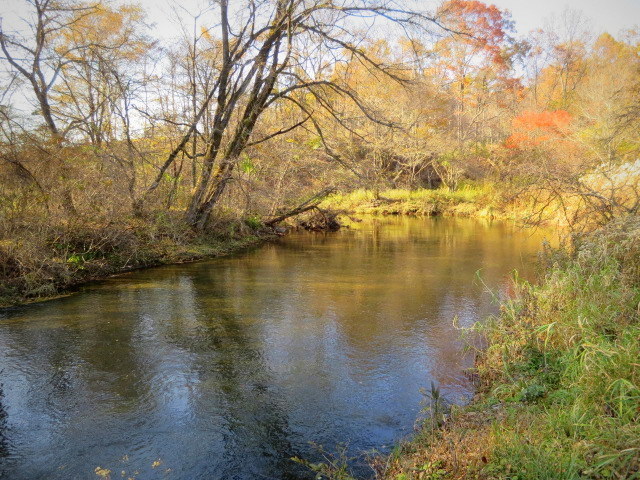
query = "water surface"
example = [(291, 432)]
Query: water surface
[(226, 369)]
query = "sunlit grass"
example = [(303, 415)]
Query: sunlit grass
[(478, 196)]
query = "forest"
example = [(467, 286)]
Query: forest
[(119, 150)]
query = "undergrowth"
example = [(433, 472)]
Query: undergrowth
[(43, 259)]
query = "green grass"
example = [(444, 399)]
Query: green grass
[(560, 375), (469, 199)]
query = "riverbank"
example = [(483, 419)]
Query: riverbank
[(37, 266), (558, 381), (470, 200)]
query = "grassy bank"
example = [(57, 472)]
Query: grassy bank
[(40, 261), (473, 199), (559, 379)]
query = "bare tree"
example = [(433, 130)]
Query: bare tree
[(262, 63), (40, 57)]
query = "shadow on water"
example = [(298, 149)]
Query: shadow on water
[(228, 368), (4, 441)]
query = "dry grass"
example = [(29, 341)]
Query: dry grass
[(41, 260)]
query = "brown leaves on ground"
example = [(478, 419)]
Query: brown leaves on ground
[(458, 450)]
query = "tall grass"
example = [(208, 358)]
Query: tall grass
[(567, 353)]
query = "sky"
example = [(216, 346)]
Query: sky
[(605, 15), (611, 16)]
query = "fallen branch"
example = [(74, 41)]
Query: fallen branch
[(305, 206)]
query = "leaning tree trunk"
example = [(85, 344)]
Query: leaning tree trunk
[(200, 209)]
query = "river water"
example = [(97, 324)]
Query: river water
[(225, 369)]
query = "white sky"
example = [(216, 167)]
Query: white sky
[(605, 15)]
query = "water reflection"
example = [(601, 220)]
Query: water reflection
[(226, 369)]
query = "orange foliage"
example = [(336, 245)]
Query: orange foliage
[(533, 128)]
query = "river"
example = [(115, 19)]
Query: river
[(227, 368)]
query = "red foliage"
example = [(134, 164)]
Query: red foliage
[(485, 25), (533, 128), (557, 121)]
